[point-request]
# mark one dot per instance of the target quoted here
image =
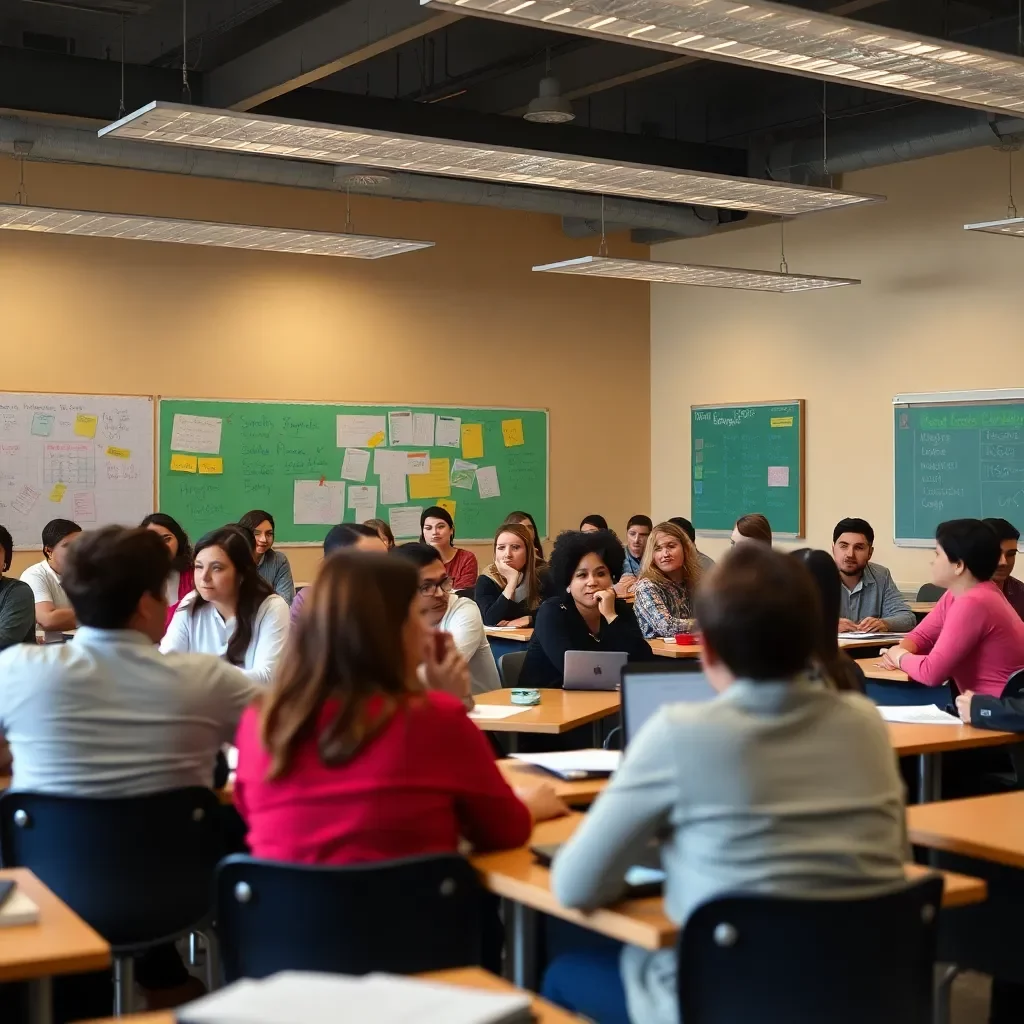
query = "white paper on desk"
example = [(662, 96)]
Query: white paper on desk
[(871, 636), (493, 712), (359, 431), (449, 432), (918, 714), (19, 909), (355, 464), (392, 490), (405, 522), (318, 502), (400, 428), (487, 482), (423, 429), (200, 434), (560, 762)]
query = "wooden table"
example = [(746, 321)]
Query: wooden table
[(874, 669), (986, 827), (559, 711), (516, 876), (520, 635), (59, 943), (664, 649), (867, 642), (922, 608), (576, 794), (466, 977)]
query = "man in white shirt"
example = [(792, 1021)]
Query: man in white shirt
[(54, 613), (446, 611)]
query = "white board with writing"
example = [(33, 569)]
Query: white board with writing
[(88, 458)]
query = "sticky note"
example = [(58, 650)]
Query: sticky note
[(778, 476), (472, 441), (184, 464), (58, 492), (118, 453), (782, 421), (85, 425), (448, 505), (434, 484), (377, 439), (698, 472), (211, 467), (512, 432), (42, 424)]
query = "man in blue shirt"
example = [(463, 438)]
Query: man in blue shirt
[(869, 600), (638, 529)]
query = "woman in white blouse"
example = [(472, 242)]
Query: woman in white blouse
[(233, 612)]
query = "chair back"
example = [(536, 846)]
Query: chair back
[(138, 869), (930, 592), (1014, 686), (403, 916), (804, 961), (511, 666)]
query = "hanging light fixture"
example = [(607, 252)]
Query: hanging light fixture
[(779, 37), (550, 106), (1011, 224)]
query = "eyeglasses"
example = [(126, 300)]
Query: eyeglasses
[(444, 584)]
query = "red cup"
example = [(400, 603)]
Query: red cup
[(687, 639)]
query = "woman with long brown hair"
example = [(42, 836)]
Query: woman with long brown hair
[(357, 753), (508, 592), (668, 581)]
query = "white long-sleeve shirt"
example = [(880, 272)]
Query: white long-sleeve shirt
[(207, 632), (463, 621)]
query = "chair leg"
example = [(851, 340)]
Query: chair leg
[(213, 980), (945, 975), (193, 949), (124, 985)]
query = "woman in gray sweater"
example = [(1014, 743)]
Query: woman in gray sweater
[(780, 785)]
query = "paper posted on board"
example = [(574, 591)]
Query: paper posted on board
[(400, 428), (463, 474), (487, 482), (392, 489), (199, 434), (778, 476), (423, 429), (360, 431), (355, 465), (318, 502), (405, 522), (448, 432), (364, 501)]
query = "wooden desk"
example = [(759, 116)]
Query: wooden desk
[(59, 943), (520, 635), (577, 794), (873, 669), (867, 642), (666, 650), (559, 711), (986, 827), (466, 977), (922, 608)]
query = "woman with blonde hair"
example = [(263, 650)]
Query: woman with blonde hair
[(668, 580), (508, 592)]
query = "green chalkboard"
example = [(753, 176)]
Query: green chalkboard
[(955, 460), (265, 448), (748, 458)]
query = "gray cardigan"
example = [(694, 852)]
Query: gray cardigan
[(277, 571), (785, 788)]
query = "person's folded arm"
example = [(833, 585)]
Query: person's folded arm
[(465, 571), (961, 632), (624, 634), (494, 606), (1006, 714), (52, 618), (895, 611), (653, 614), (589, 870)]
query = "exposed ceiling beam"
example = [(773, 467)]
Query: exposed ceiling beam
[(354, 31)]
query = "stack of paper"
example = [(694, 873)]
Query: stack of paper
[(918, 714), (880, 637), (571, 764), (294, 996), (492, 712), (18, 909)]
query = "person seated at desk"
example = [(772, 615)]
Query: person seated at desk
[(54, 613), (443, 610), (584, 614), (1013, 589), (273, 565), (437, 530), (667, 584), (753, 527), (527, 520), (638, 529), (233, 612), (17, 602), (591, 524), (508, 593), (706, 561), (972, 636), (870, 601), (348, 535), (182, 579), (778, 786), (383, 531)]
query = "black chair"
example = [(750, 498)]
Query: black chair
[(469, 592), (510, 666), (804, 961), (930, 592), (138, 869), (403, 916)]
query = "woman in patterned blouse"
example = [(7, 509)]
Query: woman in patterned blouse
[(668, 579)]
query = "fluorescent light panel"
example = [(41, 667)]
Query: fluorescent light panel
[(778, 37), (694, 274), (1009, 226), (238, 132), (198, 232)]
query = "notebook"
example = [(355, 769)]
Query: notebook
[(570, 765)]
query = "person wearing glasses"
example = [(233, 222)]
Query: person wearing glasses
[(442, 609)]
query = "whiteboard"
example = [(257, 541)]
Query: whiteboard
[(88, 458)]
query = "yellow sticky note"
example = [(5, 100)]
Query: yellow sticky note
[(512, 432), (782, 421), (85, 425), (376, 440), (58, 492), (448, 505), (472, 441), (118, 453), (211, 467), (434, 484), (184, 463)]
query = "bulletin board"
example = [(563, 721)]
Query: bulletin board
[(313, 465), (87, 458)]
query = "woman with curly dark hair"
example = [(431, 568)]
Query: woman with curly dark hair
[(584, 614)]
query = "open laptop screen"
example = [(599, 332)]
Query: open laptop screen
[(643, 692)]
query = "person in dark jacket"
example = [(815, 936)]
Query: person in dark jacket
[(1003, 713), (584, 614), (508, 592)]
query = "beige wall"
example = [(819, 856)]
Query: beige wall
[(938, 310), (463, 323)]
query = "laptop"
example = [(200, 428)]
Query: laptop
[(593, 670), (645, 688)]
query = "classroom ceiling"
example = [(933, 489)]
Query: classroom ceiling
[(394, 64)]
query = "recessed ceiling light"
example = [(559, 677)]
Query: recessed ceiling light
[(694, 274), (198, 232), (777, 37), (1009, 226), (237, 132)]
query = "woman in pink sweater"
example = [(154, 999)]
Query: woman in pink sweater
[(972, 636)]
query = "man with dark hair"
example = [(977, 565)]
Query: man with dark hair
[(445, 611), (1013, 589), (638, 529), (869, 600), (706, 561), (53, 609), (17, 605)]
